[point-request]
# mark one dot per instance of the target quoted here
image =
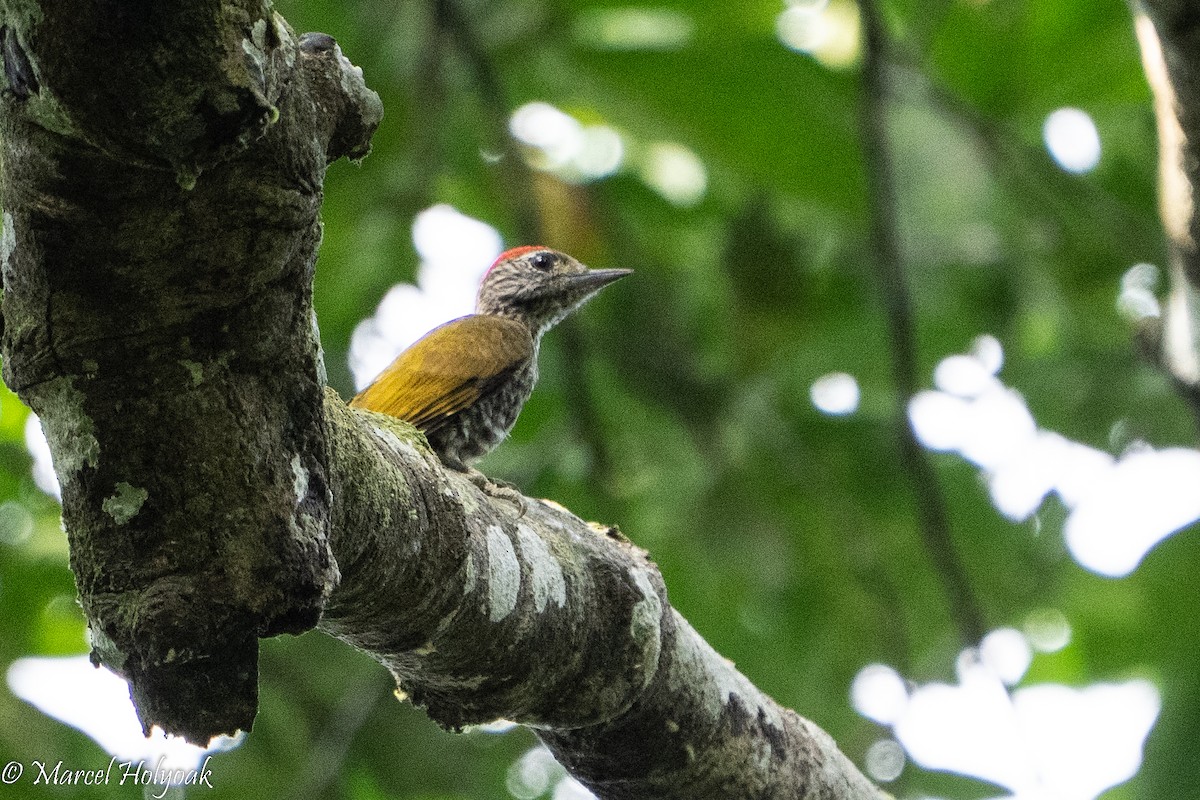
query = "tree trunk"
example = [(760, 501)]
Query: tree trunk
[(160, 228)]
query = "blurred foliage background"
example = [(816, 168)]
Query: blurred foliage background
[(678, 404)]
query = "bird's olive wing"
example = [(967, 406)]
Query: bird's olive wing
[(447, 370)]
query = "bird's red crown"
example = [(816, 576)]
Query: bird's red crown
[(515, 252)]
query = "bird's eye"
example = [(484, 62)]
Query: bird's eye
[(542, 261)]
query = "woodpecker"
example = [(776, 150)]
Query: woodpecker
[(464, 383)]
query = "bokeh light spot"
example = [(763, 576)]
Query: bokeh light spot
[(828, 31), (1141, 500), (1119, 508), (533, 774), (555, 136), (16, 523), (634, 28), (1006, 652), (962, 375), (879, 693), (836, 394), (602, 152), (988, 351), (885, 760), (1137, 299), (675, 172), (1043, 741), (1047, 630), (559, 143), (1072, 139)]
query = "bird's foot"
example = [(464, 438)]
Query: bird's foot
[(501, 490)]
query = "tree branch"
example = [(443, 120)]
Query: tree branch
[(902, 339), (484, 612), (516, 176)]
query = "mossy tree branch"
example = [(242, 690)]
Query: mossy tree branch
[(158, 318), (483, 610)]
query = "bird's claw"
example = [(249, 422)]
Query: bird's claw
[(499, 489)]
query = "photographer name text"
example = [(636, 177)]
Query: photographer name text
[(117, 773)]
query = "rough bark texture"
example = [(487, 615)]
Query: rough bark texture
[(1169, 34), (485, 610), (158, 318)]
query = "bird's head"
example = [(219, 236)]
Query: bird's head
[(539, 286)]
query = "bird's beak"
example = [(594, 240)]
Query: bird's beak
[(595, 279)]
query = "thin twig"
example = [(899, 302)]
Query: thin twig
[(516, 177), (898, 308)]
